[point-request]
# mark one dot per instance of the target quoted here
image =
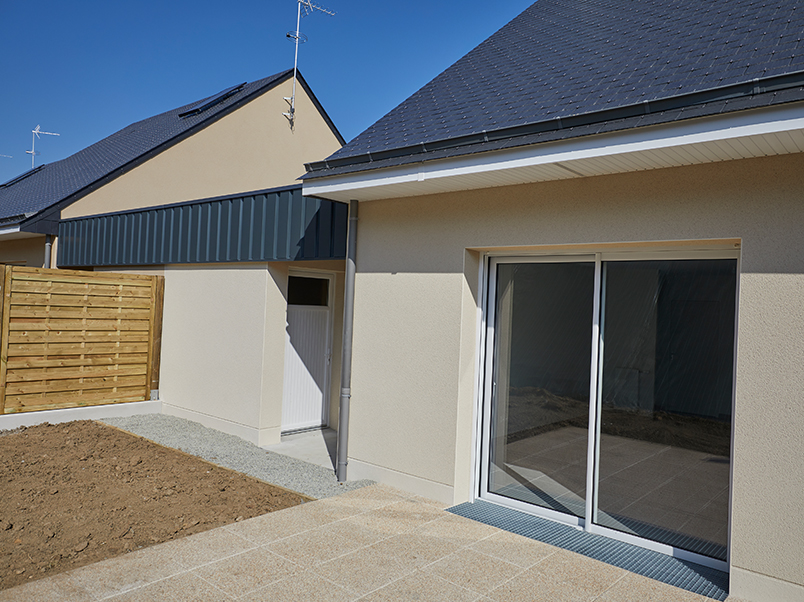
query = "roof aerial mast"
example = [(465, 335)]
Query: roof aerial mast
[(35, 134), (299, 38)]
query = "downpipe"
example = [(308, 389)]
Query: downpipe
[(346, 354)]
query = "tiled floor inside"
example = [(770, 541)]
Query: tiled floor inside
[(645, 488), (371, 544)]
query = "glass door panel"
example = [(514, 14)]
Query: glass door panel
[(540, 393), (665, 398)]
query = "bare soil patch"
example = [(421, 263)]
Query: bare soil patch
[(75, 493)]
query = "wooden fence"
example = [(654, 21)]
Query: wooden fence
[(71, 338)]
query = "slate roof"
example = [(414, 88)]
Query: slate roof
[(571, 63), (69, 178)]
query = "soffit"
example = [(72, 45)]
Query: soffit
[(742, 135)]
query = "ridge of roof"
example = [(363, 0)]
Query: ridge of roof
[(577, 62), (51, 186)]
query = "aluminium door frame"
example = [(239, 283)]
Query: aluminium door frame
[(485, 366), (331, 277)]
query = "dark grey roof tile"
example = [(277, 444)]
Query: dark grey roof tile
[(59, 180), (789, 95), (561, 58)]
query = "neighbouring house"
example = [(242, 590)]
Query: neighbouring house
[(579, 280), (207, 195)]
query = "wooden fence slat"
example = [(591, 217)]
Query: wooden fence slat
[(73, 398), (79, 276), (77, 301), (73, 336), (63, 324), (90, 279), (77, 349), (76, 360), (50, 397), (4, 335), (94, 313), (59, 373), (69, 288), (76, 402), (80, 384)]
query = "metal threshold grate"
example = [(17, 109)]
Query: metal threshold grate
[(655, 565)]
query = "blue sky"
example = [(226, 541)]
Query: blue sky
[(87, 68)]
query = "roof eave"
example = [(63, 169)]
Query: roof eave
[(773, 130), (755, 89)]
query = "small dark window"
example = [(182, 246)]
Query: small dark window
[(308, 291)]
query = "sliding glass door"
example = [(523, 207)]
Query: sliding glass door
[(609, 393)]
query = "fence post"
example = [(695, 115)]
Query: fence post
[(4, 320), (157, 307)]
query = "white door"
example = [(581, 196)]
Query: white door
[(307, 358)]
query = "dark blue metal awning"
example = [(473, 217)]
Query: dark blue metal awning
[(269, 225)]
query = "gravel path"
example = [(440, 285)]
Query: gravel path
[(233, 452)]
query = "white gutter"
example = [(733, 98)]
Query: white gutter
[(9, 230), (756, 132)]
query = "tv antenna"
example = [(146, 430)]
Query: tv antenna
[(7, 156), (34, 135), (305, 7)]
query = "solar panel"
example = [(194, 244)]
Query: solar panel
[(203, 105)]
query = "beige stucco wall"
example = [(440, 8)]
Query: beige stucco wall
[(223, 345), (415, 339), (31, 251), (252, 148)]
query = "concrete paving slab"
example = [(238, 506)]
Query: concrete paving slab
[(371, 544)]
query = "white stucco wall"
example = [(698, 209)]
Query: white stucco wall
[(223, 345), (415, 345)]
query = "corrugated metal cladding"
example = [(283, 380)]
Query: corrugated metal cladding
[(270, 226)]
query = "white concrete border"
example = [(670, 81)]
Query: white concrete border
[(430, 489), (133, 408), (757, 587), (259, 437)]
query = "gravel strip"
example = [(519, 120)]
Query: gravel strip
[(233, 452)]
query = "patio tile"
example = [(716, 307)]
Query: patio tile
[(369, 498), (206, 547), (424, 500), (415, 550), (181, 588), (635, 588), (246, 572), (284, 523), (561, 577), (126, 572), (417, 587), (363, 571), (473, 570), (302, 586), (321, 544), (513, 548), (397, 518), (58, 587), (457, 530)]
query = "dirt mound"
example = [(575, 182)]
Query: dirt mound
[(80, 492)]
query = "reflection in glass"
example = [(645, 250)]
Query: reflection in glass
[(540, 398), (666, 396)]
